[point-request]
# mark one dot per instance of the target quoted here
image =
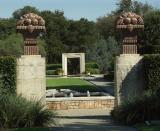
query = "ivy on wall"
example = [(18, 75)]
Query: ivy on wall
[(8, 74), (152, 72)]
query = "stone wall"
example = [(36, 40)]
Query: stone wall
[(81, 103)]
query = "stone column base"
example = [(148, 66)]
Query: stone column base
[(31, 79), (129, 79)]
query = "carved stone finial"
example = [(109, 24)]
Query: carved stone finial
[(30, 25), (130, 23), (127, 18)]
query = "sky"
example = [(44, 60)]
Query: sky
[(73, 9)]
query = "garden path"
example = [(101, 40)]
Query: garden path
[(101, 83), (87, 120), (90, 119)]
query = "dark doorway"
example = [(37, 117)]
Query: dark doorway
[(73, 66)]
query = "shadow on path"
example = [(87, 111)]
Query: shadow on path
[(89, 123)]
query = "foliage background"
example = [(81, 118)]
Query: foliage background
[(98, 39), (7, 75)]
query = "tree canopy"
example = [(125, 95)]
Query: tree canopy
[(98, 39)]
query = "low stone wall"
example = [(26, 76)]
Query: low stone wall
[(106, 102)]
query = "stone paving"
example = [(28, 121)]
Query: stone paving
[(87, 120), (90, 119), (102, 84)]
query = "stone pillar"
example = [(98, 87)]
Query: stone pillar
[(129, 82), (82, 63), (31, 79), (64, 64)]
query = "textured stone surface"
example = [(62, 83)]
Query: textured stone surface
[(31, 19), (127, 18), (31, 81), (81, 103), (129, 82)]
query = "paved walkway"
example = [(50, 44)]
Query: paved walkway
[(90, 119), (102, 84), (87, 120)]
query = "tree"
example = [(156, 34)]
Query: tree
[(7, 27), (150, 35), (104, 53), (81, 34), (124, 5), (152, 28), (141, 8), (12, 45), (56, 26), (106, 25), (27, 9)]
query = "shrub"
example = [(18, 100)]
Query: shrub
[(150, 49), (92, 71), (50, 72), (53, 66), (152, 72), (138, 111), (59, 71), (8, 74), (92, 65), (16, 112)]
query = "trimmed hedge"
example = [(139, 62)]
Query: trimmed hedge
[(152, 72), (50, 72), (93, 71), (58, 71), (8, 74), (53, 66), (55, 69), (56, 66), (92, 65)]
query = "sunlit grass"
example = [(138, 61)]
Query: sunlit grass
[(70, 83)]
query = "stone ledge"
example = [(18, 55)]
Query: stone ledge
[(81, 103), (81, 98)]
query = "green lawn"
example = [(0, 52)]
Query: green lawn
[(70, 83), (27, 129), (148, 128)]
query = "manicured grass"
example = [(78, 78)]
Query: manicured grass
[(149, 128), (70, 83), (27, 129)]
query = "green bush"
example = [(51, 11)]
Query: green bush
[(92, 65), (152, 72), (138, 111), (8, 74), (50, 72), (150, 49), (17, 112), (53, 66), (59, 71), (93, 71)]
